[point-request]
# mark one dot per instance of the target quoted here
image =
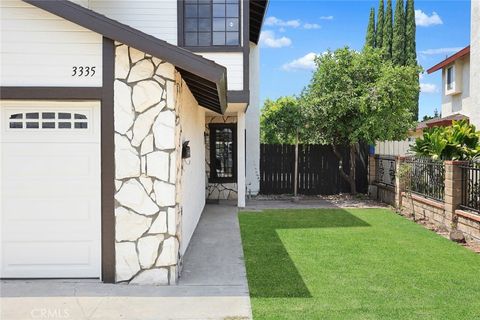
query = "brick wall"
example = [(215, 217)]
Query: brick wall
[(444, 214)]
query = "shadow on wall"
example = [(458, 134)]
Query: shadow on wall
[(271, 271)]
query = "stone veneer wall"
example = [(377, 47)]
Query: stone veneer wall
[(147, 166), (217, 191)]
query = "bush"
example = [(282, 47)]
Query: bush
[(460, 141)]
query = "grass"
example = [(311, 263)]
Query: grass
[(355, 264)]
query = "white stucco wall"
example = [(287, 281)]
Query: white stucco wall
[(192, 126), (457, 103), (252, 124), (475, 63)]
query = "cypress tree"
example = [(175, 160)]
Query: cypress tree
[(410, 42), (398, 45), (370, 39), (411, 46), (379, 29), (388, 32)]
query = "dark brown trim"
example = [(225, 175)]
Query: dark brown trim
[(180, 40), (51, 93), (111, 29), (238, 96), (108, 163), (215, 49), (104, 94), (212, 178), (449, 60)]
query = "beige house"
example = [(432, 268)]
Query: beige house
[(461, 76)]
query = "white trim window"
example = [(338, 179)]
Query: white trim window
[(450, 78)]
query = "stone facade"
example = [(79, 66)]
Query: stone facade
[(147, 166), (217, 191)]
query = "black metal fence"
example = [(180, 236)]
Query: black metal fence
[(318, 169), (471, 187), (385, 170), (427, 178)]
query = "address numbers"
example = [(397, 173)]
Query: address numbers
[(83, 71)]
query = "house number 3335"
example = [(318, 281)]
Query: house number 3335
[(83, 71)]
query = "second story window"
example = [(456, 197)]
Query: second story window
[(450, 78), (209, 23)]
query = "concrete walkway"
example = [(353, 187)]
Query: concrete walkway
[(213, 285)]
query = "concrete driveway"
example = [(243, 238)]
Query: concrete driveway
[(213, 285)]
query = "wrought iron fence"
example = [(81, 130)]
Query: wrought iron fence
[(427, 178), (385, 170), (471, 187)]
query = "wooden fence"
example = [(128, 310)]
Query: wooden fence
[(318, 171)]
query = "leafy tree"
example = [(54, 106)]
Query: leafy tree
[(398, 44), (460, 141), (436, 115), (358, 97), (282, 121), (388, 32), (379, 29), (370, 39)]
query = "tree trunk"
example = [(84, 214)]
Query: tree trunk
[(350, 178), (295, 180)]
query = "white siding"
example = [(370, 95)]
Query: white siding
[(155, 17), (40, 49), (233, 61)]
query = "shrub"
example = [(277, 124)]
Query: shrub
[(460, 141)]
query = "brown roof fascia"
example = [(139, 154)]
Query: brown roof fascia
[(117, 31), (449, 60), (258, 8)]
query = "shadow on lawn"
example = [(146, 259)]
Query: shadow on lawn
[(271, 271)]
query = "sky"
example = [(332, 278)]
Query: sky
[(295, 30)]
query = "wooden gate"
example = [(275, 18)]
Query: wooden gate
[(318, 171)]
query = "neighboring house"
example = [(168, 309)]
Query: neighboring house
[(118, 120), (461, 76), (460, 90)]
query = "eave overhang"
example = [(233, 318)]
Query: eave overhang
[(258, 8), (206, 80), (449, 60)]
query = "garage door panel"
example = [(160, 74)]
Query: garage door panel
[(51, 191), (35, 210), (29, 258), (48, 161)]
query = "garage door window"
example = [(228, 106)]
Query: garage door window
[(48, 120)]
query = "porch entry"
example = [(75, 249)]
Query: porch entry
[(318, 169)]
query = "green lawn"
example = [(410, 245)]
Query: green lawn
[(355, 264)]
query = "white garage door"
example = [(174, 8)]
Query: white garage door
[(50, 189)]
